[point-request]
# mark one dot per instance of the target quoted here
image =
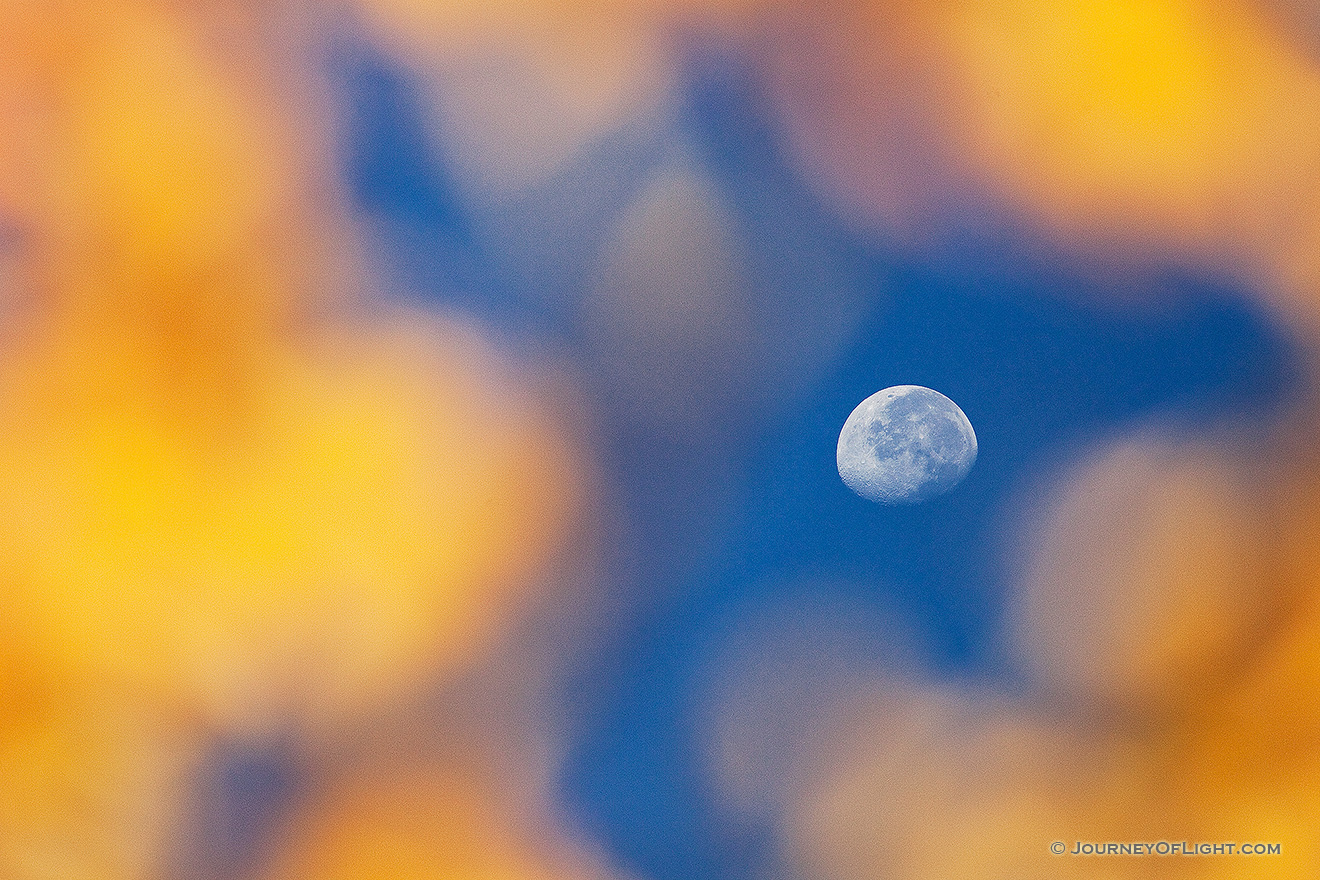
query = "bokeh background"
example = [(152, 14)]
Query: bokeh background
[(417, 431)]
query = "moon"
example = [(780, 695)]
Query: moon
[(905, 444)]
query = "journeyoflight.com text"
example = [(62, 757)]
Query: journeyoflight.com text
[(1164, 848)]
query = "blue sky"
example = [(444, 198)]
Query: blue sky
[(1038, 351)]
